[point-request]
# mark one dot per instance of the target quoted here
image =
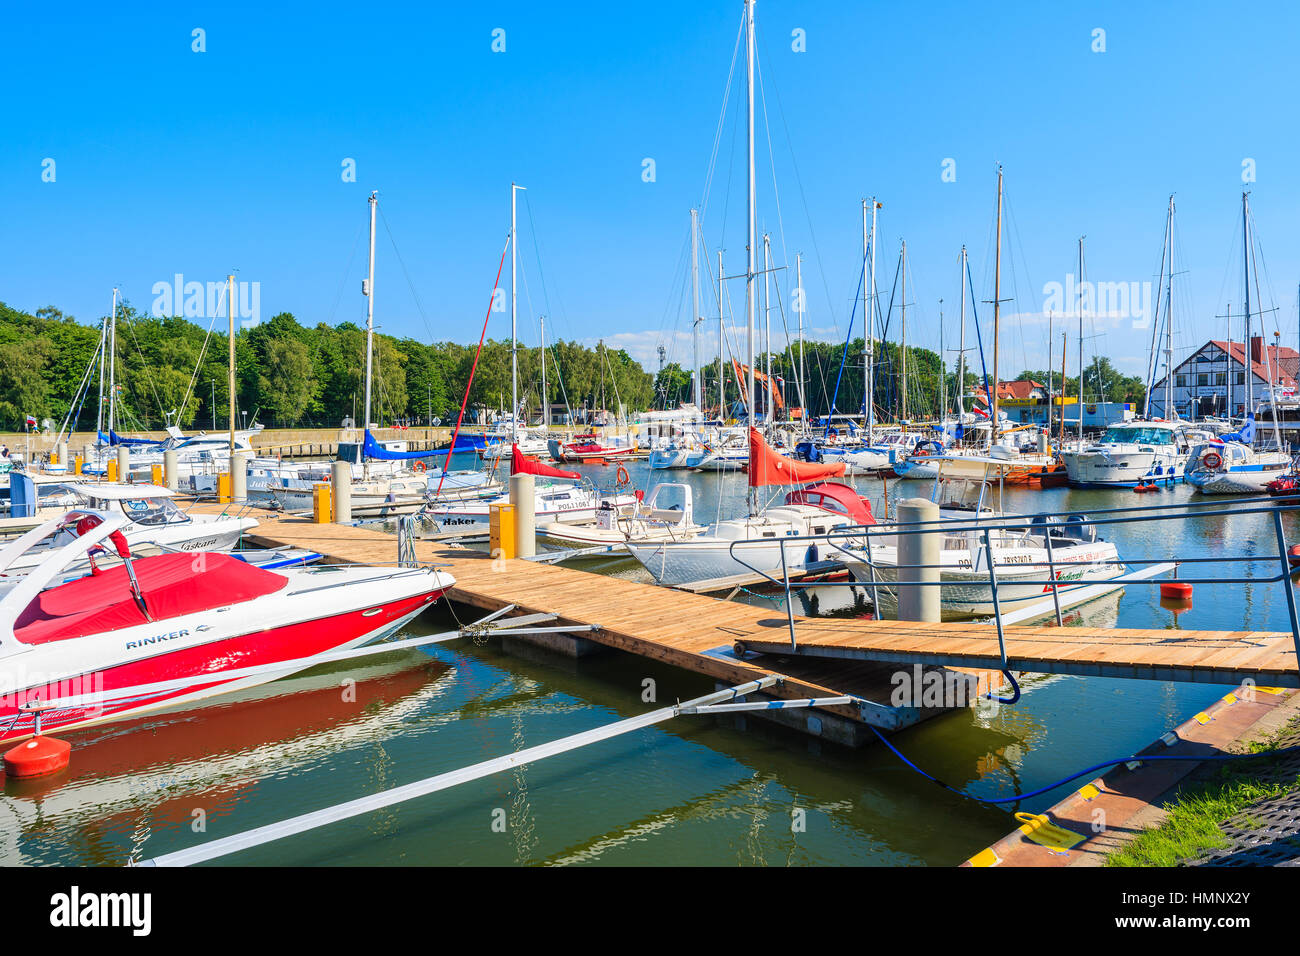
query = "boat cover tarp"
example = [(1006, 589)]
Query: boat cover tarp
[(767, 467), (113, 438), (377, 452), (521, 464), (171, 587)]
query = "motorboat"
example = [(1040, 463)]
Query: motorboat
[(152, 522), (1021, 562), (1227, 467), (589, 447), (666, 515), (164, 630), (1132, 453), (742, 547)]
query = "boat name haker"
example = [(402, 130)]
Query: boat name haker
[(156, 639), (195, 300), (1156, 899), (74, 908)]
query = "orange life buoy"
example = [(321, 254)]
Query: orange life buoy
[(1212, 460), (622, 477), (420, 466), (920, 453)]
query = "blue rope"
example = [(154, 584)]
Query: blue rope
[(845, 354), (988, 395), (1075, 776)]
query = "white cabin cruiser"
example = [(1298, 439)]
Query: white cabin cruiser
[(1226, 467), (1130, 453), (667, 515)]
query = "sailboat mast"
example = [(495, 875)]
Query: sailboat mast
[(870, 329), (103, 358), (1245, 277), (1170, 412), (514, 319), (112, 367), (1227, 368), (546, 412), (1081, 238), (903, 352), (230, 319), (697, 318), (798, 278), (767, 322), (751, 248), (722, 381), (961, 343), (997, 317), (370, 309), (943, 375)]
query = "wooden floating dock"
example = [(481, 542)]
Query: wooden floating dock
[(834, 656)]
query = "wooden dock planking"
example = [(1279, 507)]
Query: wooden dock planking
[(680, 628)]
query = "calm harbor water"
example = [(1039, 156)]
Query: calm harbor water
[(719, 791)]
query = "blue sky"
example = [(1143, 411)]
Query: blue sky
[(170, 161)]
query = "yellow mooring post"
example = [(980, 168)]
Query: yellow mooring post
[(76, 465), (156, 474), (322, 503), (110, 470), (223, 487), (502, 523)]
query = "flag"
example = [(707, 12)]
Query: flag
[(31, 421)]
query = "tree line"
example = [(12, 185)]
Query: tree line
[(287, 374)]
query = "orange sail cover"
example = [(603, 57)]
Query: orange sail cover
[(766, 467), (521, 464)]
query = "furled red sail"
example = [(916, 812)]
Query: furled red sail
[(521, 464), (766, 467)]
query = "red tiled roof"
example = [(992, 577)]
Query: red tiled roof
[(1018, 389), (1285, 361)]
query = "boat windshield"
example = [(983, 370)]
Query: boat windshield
[(153, 511), (1123, 434)]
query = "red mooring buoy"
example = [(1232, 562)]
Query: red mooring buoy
[(38, 757), (1176, 590), (1293, 555)]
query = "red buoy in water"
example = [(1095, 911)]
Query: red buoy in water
[(1293, 555), (38, 757), (1176, 590)]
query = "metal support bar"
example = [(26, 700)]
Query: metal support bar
[(1051, 572), (997, 607), (1286, 582), (386, 798), (770, 705)]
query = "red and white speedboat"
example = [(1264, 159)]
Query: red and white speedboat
[(149, 632), (590, 448)]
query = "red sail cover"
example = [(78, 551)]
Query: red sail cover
[(766, 467), (521, 464)]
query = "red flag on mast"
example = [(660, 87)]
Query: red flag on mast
[(521, 464)]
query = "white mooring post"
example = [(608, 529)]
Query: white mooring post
[(238, 478), (123, 463), (169, 468), (525, 502), (341, 482), (918, 562)]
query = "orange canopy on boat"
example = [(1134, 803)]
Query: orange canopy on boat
[(767, 467), (521, 464)]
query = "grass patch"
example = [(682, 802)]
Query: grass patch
[(1193, 825)]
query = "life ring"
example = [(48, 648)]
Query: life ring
[(1212, 460), (420, 466), (920, 453), (622, 477)]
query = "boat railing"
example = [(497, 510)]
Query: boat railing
[(857, 543)]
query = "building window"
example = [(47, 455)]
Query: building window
[(1220, 378), (1202, 379), (1238, 378), (1180, 381)]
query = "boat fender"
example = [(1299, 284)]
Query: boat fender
[(38, 757), (811, 556), (1293, 555), (1176, 590)]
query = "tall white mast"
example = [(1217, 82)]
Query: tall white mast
[(112, 368), (961, 343), (514, 319), (799, 300), (1245, 277), (695, 297), (370, 308), (1170, 412), (1081, 238), (722, 380), (546, 412), (871, 330), (767, 319), (997, 304), (866, 328), (103, 358), (230, 319), (751, 249), (903, 352)]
